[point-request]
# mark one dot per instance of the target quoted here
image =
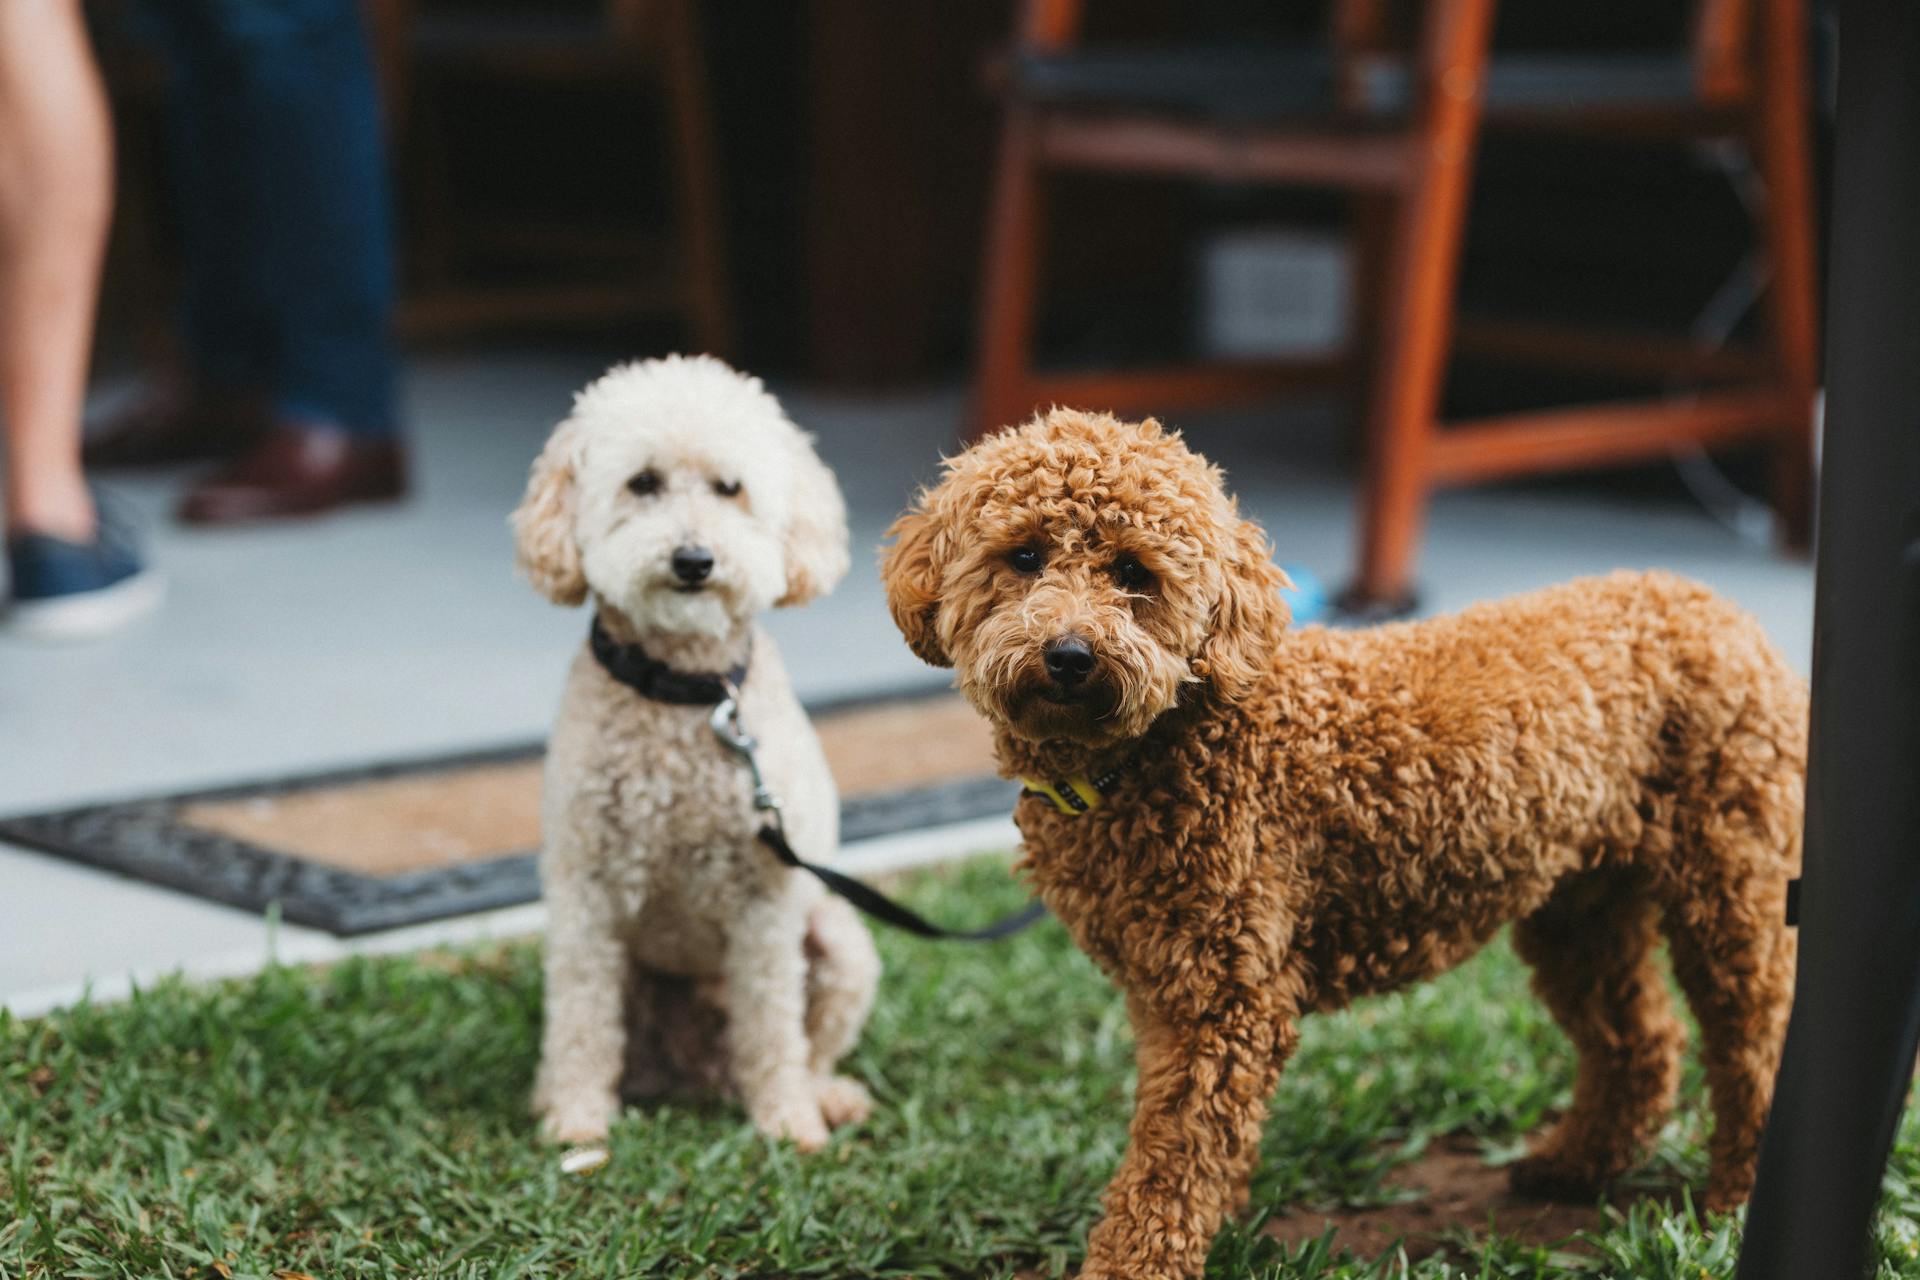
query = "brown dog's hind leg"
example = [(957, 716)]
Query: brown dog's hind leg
[(1734, 955), (1736, 826), (1592, 948)]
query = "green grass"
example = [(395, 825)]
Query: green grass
[(370, 1120)]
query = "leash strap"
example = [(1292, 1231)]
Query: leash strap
[(727, 728), (885, 909)]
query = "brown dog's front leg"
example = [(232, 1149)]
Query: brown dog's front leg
[(1198, 1113)]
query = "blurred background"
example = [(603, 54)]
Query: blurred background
[(1465, 298)]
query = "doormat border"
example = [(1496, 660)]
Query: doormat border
[(142, 838)]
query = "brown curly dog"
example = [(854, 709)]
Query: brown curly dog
[(1242, 824)]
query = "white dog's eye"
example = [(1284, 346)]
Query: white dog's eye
[(646, 483), (727, 488)]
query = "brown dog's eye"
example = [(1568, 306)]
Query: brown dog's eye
[(1131, 574), (646, 484), (727, 488), (1026, 559)]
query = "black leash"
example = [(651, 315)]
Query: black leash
[(885, 909), (651, 678), (726, 727)]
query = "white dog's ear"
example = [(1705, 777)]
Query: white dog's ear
[(910, 570), (547, 554), (816, 539)]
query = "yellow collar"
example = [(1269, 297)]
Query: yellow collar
[(1073, 796)]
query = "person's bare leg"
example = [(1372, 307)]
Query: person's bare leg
[(56, 199)]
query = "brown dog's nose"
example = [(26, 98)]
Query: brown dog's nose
[(692, 564), (1069, 659)]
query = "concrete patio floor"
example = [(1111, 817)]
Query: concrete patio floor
[(391, 633)]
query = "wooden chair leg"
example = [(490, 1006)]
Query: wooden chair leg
[(1785, 157), (1370, 246), (1409, 362), (696, 181), (1010, 282), (1418, 309)]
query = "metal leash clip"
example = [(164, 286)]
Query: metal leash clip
[(725, 721), (726, 727)]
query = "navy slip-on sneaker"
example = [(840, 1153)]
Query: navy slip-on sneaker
[(60, 590)]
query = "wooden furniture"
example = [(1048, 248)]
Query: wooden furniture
[(426, 48), (1398, 131)]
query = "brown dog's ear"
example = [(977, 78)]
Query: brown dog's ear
[(1248, 616), (816, 541), (543, 523), (910, 572)]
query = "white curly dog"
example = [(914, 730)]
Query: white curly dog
[(679, 950)]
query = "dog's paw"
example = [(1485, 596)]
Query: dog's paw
[(576, 1121), (1725, 1194), (798, 1120), (1547, 1175), (843, 1100), (1714, 1201)]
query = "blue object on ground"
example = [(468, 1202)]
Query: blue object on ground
[(1307, 597)]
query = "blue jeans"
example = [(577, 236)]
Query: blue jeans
[(281, 186)]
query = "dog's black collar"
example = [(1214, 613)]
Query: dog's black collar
[(652, 678)]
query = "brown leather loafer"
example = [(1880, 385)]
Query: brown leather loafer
[(298, 471), (172, 423)]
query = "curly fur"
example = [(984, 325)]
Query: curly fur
[(679, 951), (1308, 816)]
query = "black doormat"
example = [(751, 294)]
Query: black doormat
[(378, 846)]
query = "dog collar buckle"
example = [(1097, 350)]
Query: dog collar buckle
[(1072, 796)]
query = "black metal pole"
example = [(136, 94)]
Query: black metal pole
[(1850, 1049)]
